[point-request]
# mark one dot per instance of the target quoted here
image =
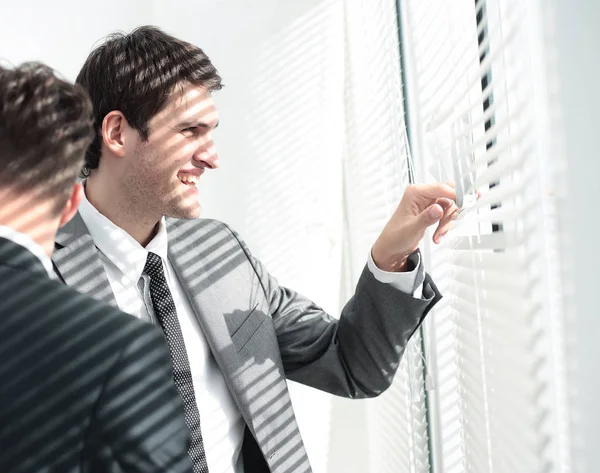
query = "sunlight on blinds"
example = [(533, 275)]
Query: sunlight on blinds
[(497, 336), (375, 176)]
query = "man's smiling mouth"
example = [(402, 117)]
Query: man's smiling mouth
[(188, 179)]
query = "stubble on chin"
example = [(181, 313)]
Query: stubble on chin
[(187, 214), (184, 208)]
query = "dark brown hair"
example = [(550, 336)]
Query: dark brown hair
[(136, 74), (46, 124)]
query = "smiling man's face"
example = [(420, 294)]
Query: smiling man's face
[(163, 172)]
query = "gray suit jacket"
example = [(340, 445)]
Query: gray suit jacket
[(260, 333)]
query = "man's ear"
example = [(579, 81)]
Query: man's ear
[(113, 132), (70, 208)]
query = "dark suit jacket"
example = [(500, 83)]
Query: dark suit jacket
[(83, 387), (260, 332)]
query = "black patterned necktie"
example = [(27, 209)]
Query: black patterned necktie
[(164, 307)]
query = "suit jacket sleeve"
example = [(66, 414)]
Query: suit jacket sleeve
[(357, 355), (140, 419)]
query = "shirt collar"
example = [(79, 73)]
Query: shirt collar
[(28, 243), (118, 245)]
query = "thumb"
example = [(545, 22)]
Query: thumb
[(430, 215)]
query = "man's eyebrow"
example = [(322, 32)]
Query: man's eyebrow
[(195, 124)]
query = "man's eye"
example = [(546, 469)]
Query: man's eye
[(191, 129)]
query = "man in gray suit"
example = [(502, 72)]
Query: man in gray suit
[(83, 386), (138, 243)]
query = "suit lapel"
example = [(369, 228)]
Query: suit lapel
[(77, 262), (199, 280), (232, 310)]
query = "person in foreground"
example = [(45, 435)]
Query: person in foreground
[(83, 386), (138, 242)]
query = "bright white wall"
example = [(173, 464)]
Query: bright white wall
[(279, 139), (61, 33), (578, 37)]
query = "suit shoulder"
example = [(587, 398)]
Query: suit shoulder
[(211, 223), (69, 323), (70, 302), (199, 228)]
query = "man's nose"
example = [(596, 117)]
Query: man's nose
[(208, 156)]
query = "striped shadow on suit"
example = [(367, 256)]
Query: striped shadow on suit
[(83, 387)]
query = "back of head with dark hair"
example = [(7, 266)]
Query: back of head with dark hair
[(136, 74), (45, 128)]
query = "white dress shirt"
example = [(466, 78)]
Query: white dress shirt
[(402, 281), (28, 243), (124, 260)]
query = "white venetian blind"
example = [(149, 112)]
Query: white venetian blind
[(480, 84), (375, 177)]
